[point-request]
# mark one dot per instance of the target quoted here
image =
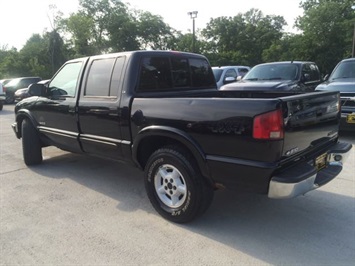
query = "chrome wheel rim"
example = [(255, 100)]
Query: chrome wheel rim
[(170, 186)]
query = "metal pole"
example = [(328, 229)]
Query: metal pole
[(193, 35), (193, 15), (353, 52)]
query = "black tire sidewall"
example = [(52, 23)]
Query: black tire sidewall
[(31, 144), (189, 209)]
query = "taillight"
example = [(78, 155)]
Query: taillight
[(269, 125), (4, 89)]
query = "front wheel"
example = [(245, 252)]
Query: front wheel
[(31, 144), (175, 186)]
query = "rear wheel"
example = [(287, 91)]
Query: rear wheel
[(1, 105), (31, 144), (175, 186)]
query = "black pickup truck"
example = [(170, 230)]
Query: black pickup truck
[(161, 111), (294, 76)]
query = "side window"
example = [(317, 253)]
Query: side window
[(155, 74), (99, 77), (201, 73), (116, 79), (231, 73), (310, 73), (314, 72), (242, 71), (64, 83), (181, 73)]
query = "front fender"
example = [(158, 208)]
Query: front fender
[(20, 116)]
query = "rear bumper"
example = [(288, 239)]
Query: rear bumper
[(303, 178), (344, 125)]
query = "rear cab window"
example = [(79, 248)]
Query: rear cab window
[(168, 73)]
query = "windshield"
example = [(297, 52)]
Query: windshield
[(273, 72), (13, 82), (345, 69), (217, 72)]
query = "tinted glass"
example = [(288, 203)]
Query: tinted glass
[(181, 73), (155, 74), (201, 73), (116, 76), (64, 83), (99, 77)]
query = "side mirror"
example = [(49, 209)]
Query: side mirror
[(37, 89), (229, 80), (239, 78)]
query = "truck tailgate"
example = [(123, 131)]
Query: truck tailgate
[(310, 121)]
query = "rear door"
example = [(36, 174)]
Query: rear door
[(99, 107)]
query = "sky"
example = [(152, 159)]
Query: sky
[(20, 19)]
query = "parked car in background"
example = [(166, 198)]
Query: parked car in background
[(4, 81), (2, 96), (228, 74), (342, 79), (18, 83), (21, 94), (295, 76)]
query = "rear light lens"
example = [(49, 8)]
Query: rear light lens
[(4, 89), (269, 125)]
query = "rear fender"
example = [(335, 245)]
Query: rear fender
[(166, 136)]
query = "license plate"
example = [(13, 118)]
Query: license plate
[(350, 119), (321, 161)]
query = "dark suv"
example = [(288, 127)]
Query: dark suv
[(18, 83)]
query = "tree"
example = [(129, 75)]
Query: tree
[(243, 38), (153, 32), (327, 27)]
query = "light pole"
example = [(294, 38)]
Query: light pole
[(353, 48), (193, 15)]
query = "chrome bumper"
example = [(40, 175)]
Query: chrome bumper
[(305, 177)]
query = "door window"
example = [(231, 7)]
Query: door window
[(104, 77), (65, 82)]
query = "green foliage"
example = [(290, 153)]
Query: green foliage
[(242, 38), (102, 26), (327, 27)]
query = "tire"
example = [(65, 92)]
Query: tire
[(1, 105), (31, 144), (175, 186)]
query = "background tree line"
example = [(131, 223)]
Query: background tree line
[(103, 26)]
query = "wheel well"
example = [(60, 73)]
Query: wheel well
[(151, 144)]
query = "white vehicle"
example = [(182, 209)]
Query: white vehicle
[(228, 74)]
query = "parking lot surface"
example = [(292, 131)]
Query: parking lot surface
[(80, 210)]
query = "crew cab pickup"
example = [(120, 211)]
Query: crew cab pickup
[(162, 112)]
